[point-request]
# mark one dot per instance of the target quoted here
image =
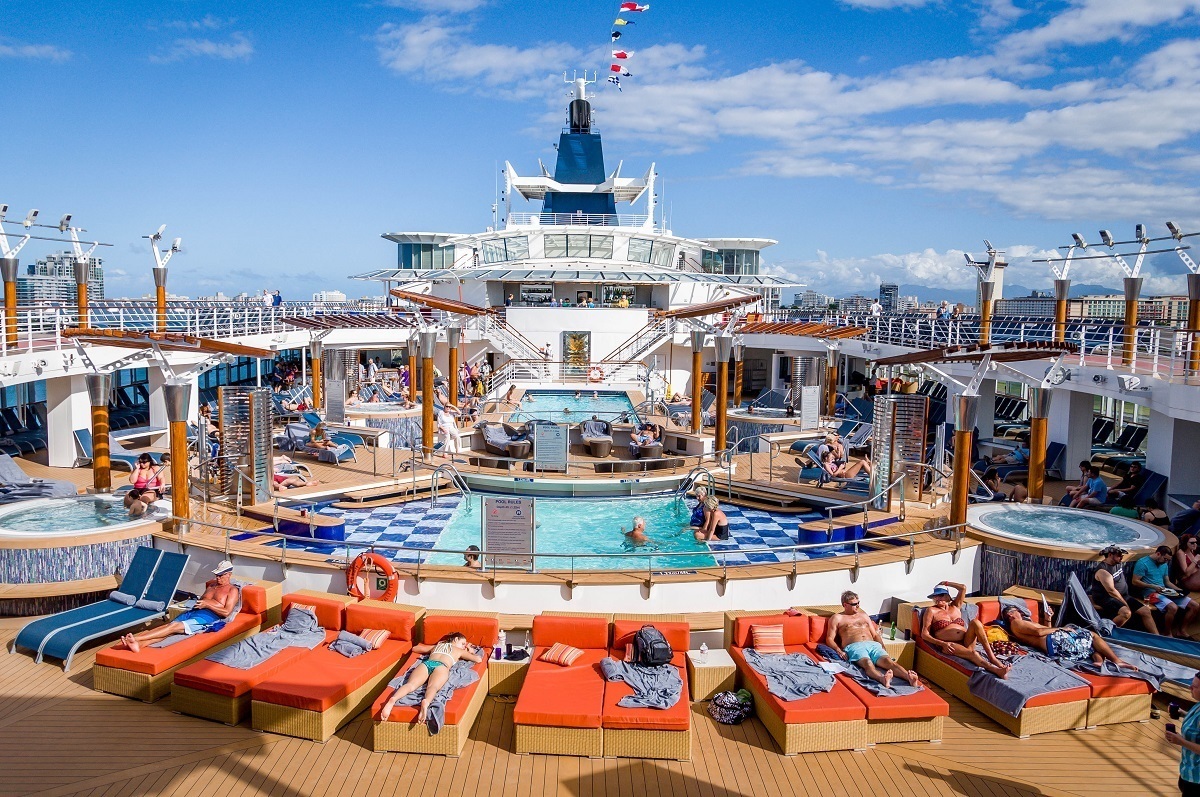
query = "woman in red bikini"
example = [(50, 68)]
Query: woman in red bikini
[(943, 629)]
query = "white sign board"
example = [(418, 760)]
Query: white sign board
[(508, 531), (550, 445), (810, 407)]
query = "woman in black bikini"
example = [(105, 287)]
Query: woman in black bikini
[(716, 524)]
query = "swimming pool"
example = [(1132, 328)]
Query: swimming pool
[(563, 406), (60, 517), (1079, 529)]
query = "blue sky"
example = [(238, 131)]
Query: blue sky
[(875, 139)]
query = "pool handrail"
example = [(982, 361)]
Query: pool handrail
[(866, 505)]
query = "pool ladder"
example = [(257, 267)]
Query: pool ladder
[(456, 479)]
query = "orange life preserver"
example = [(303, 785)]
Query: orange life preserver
[(380, 563), (595, 375)]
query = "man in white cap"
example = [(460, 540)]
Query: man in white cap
[(212, 608)]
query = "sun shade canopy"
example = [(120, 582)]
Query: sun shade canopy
[(708, 308), (447, 305), (355, 321), (810, 329), (164, 341), (1016, 351)]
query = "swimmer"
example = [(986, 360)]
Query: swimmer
[(595, 394), (566, 410), (638, 535), (578, 394), (471, 560)]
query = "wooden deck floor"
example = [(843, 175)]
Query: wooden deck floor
[(58, 738)]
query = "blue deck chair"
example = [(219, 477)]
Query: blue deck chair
[(296, 439), (342, 438), (137, 579), (116, 452), (63, 643)]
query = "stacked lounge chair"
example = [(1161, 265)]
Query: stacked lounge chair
[(149, 585), (15, 484), (116, 451)]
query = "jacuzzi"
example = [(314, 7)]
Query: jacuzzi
[(72, 517)]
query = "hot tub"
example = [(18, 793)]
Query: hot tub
[(73, 517)]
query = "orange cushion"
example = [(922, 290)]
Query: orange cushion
[(767, 638), (331, 614), (153, 661), (990, 610), (560, 654), (676, 718), (219, 679), (481, 631), (562, 697), (396, 621), (1112, 686), (254, 599), (456, 706), (919, 705), (375, 636), (678, 635), (795, 629), (323, 678), (836, 705), (578, 632)]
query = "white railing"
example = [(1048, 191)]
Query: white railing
[(581, 219), (643, 341)]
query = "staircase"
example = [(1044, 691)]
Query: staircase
[(508, 340), (644, 341)]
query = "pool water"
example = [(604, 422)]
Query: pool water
[(565, 525), (1076, 528), (561, 406), (67, 514)]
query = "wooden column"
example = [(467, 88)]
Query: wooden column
[(160, 299), (1062, 295), (8, 270), (315, 351), (831, 381), (178, 398), (412, 370), (724, 346), (697, 383), (965, 408), (739, 354), (1039, 412), (99, 386), (81, 291), (453, 339), (987, 290), (428, 344), (1133, 288), (1193, 324)]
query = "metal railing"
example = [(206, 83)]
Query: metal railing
[(456, 480), (649, 337), (586, 219)]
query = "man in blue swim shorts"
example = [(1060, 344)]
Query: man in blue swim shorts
[(854, 635), (212, 608)]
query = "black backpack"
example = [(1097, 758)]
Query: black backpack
[(650, 648)]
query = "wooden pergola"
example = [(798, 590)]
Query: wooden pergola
[(163, 341), (437, 303), (1015, 351), (708, 308)]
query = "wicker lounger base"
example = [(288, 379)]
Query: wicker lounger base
[(550, 740), (914, 730), (1040, 719), (409, 737), (209, 706), (809, 737), (629, 743), (149, 688), (318, 726), (1123, 708)]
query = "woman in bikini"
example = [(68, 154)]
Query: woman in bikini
[(148, 484), (1186, 564), (432, 671), (943, 628)]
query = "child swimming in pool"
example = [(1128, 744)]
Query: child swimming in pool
[(433, 671)]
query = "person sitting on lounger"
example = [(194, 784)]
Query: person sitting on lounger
[(217, 603), (1073, 492), (645, 436), (843, 470), (943, 628), (716, 524), (856, 636), (432, 671), (1068, 642), (319, 437), (1019, 456), (1150, 578)]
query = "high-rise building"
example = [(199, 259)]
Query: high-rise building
[(52, 279), (889, 297), (812, 301)]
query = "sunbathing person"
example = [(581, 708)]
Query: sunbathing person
[(1068, 642), (843, 470), (217, 603), (432, 671), (856, 636), (1018, 456), (943, 628)]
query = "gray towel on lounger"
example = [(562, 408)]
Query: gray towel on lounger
[(349, 645), (836, 664), (461, 674), (122, 597), (653, 687), (790, 676), (300, 629)]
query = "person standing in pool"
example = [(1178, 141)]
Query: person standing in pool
[(698, 512), (637, 535), (716, 524)]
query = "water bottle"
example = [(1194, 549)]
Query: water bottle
[(528, 646), (703, 652), (499, 652), (892, 632)]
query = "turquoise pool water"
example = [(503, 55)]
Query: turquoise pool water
[(578, 524), (562, 406)]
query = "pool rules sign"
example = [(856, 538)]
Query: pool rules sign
[(508, 532)]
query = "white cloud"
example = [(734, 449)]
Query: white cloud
[(451, 6), (42, 52), (1095, 21), (207, 22), (238, 48)]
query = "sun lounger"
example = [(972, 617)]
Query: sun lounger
[(147, 674), (63, 643), (296, 439), (597, 437), (321, 691), (560, 709), (116, 452), (400, 733), (135, 582), (648, 732), (12, 476), (340, 437)]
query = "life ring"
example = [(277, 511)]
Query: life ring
[(595, 375), (381, 564)]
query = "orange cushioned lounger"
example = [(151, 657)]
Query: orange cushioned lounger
[(1053, 711), (318, 693), (147, 674), (648, 732), (222, 693), (400, 733), (833, 720), (560, 709), (918, 717), (1112, 699)]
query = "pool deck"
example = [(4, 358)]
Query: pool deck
[(59, 738)]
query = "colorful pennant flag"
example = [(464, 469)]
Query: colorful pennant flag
[(616, 81), (620, 54), (621, 21), (633, 7), (620, 70), (616, 34)]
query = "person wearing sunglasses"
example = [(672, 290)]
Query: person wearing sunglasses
[(854, 635), (943, 629)]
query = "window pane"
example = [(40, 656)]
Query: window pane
[(577, 245), (639, 250), (662, 254), (556, 245), (518, 248), (493, 251), (602, 246)]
